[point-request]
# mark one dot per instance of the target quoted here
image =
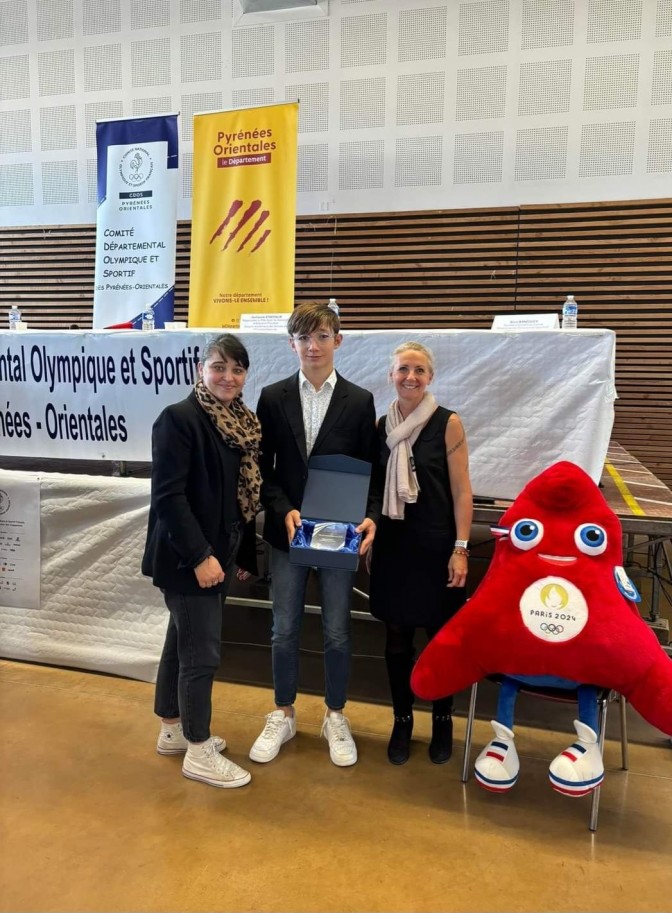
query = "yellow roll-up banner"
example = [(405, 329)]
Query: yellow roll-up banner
[(243, 214)]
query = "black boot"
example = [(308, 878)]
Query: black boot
[(441, 746), (399, 746)]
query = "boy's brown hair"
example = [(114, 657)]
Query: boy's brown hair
[(311, 316)]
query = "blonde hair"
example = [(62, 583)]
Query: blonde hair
[(414, 347)]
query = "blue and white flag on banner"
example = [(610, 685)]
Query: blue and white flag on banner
[(137, 220)]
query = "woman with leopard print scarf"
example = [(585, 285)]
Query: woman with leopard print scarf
[(205, 497)]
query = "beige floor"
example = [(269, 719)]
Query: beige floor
[(93, 819)]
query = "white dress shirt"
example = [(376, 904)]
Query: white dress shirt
[(314, 405)]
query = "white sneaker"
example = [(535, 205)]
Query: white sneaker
[(579, 769), (497, 766), (172, 741), (204, 763), (279, 729), (342, 748)]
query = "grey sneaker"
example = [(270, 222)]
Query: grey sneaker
[(279, 729), (205, 763), (342, 748), (172, 741)]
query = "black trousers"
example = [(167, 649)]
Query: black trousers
[(189, 661), (399, 658), (191, 655)]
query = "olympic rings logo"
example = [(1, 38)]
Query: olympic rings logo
[(551, 628)]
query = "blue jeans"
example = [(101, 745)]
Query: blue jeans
[(288, 590)]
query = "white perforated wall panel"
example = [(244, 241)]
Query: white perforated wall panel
[(99, 17), (361, 165), (660, 146), (56, 72), (544, 87), (91, 180), (661, 85), (15, 135), (59, 183), (403, 104), (187, 173), (55, 19), (484, 27), (307, 46), (363, 38), (420, 98), (313, 168), (614, 20), (541, 154), (422, 34), (101, 110), (58, 128), (253, 52), (14, 77), (195, 104), (16, 185), (418, 161), (547, 24), (252, 98), (611, 82), (150, 14), (664, 19), (150, 62), (13, 22), (158, 105), (607, 149), (313, 101), (102, 68)]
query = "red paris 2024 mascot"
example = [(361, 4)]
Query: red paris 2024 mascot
[(555, 608)]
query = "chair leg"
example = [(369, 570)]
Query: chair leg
[(595, 802), (624, 732), (469, 731)]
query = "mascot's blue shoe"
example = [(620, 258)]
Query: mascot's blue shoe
[(496, 768), (579, 769)]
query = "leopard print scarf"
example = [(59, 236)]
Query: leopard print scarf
[(240, 429)]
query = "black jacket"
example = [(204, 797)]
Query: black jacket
[(349, 427), (193, 502)]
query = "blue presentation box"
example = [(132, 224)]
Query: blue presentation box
[(336, 492)]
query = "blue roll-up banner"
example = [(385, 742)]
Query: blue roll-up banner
[(137, 220)]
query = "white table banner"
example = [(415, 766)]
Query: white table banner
[(526, 399)]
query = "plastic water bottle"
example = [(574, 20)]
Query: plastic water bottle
[(148, 319), (14, 317), (332, 305), (570, 311)]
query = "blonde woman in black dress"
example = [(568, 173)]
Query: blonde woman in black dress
[(419, 559)]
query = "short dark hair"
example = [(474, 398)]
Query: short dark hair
[(226, 346), (311, 316)]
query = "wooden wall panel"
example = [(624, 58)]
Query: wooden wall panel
[(450, 269)]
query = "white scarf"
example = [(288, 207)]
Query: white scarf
[(401, 481)]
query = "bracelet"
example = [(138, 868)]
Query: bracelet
[(458, 550)]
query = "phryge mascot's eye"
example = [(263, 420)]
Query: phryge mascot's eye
[(556, 616), (526, 534), (591, 539)]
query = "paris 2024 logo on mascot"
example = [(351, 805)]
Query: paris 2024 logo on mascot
[(555, 609)]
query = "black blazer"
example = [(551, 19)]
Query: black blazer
[(193, 502), (349, 427)]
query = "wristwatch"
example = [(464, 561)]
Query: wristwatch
[(462, 543)]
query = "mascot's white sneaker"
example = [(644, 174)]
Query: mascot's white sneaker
[(579, 769), (497, 766)]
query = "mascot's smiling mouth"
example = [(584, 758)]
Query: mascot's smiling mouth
[(559, 560)]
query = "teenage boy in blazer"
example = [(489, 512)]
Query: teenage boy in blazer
[(313, 412)]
